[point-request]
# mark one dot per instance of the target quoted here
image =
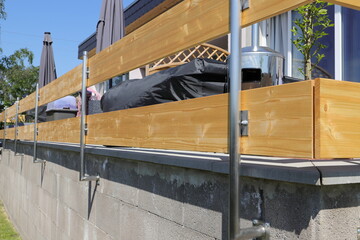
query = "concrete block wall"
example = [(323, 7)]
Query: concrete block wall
[(143, 200)]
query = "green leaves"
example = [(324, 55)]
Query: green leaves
[(17, 76), (308, 30)]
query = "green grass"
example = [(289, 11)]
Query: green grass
[(7, 231)]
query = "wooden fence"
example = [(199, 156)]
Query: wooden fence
[(277, 128)]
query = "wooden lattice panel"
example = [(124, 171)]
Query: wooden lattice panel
[(204, 50)]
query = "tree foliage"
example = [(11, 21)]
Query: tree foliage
[(2, 9), (17, 76), (309, 29)]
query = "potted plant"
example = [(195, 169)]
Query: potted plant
[(308, 29)]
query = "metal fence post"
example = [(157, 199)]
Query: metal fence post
[(36, 131), (83, 128), (235, 232), (4, 142)]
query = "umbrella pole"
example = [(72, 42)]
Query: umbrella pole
[(36, 130), (83, 125)]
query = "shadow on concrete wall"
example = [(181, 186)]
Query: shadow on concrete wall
[(286, 206)]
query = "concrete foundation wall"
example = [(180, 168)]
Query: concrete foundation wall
[(143, 200)]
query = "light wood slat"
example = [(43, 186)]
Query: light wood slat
[(65, 85), (201, 124), (337, 119), (162, 7), (27, 103), (260, 10), (281, 120), (11, 112), (185, 25), (66, 130), (10, 133), (190, 125), (354, 4), (280, 124), (1, 134), (26, 132)]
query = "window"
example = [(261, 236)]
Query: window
[(351, 44)]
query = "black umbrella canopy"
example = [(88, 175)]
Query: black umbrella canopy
[(110, 28), (47, 71), (111, 25)]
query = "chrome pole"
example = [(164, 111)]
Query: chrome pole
[(35, 121), (4, 129), (16, 123), (233, 138), (83, 128), (36, 131)]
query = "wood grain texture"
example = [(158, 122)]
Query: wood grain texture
[(65, 85), (10, 133), (277, 128), (354, 4), (281, 120), (337, 119), (183, 26), (27, 103), (2, 134), (66, 130), (26, 132), (11, 112)]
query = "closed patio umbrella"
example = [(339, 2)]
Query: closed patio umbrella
[(47, 71), (110, 27)]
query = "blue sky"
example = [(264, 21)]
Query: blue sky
[(69, 21)]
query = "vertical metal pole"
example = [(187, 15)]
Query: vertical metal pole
[(4, 143), (82, 117), (83, 128), (35, 121), (36, 131), (16, 124), (233, 141)]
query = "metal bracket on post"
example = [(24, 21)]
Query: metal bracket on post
[(235, 232), (244, 123), (36, 130), (83, 125), (16, 128)]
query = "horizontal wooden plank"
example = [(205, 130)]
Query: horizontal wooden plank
[(185, 125), (27, 103), (337, 115), (66, 130), (185, 25), (10, 133), (11, 112), (2, 134), (162, 7), (354, 4), (281, 120), (201, 124), (26, 132), (260, 10), (65, 85), (276, 128)]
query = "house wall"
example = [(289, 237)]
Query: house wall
[(161, 197)]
